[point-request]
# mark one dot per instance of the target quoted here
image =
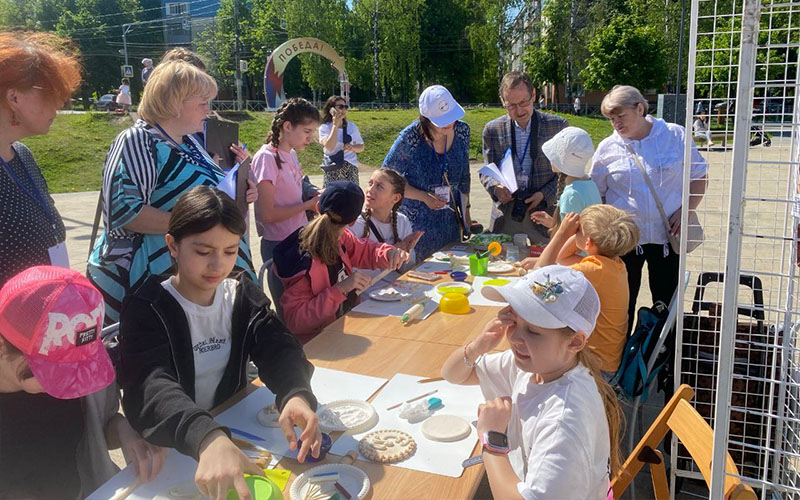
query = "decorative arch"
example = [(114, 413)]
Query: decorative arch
[(280, 57)]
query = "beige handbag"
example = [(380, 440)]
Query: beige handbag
[(694, 233)]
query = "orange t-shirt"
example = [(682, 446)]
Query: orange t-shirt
[(610, 278)]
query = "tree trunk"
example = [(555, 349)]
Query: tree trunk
[(375, 65)]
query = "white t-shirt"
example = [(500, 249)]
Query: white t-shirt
[(403, 229), (124, 89), (558, 433), (325, 130), (210, 328)]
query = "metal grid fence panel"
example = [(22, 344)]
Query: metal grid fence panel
[(763, 434)]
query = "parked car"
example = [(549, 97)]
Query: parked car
[(106, 103)]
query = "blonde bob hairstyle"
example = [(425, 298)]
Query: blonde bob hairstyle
[(169, 85), (621, 96)]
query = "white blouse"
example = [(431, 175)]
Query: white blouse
[(622, 184)]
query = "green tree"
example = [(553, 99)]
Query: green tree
[(626, 52)]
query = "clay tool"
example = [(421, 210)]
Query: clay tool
[(350, 457), (342, 490), (246, 434), (398, 405), (413, 312), (432, 379), (122, 495)]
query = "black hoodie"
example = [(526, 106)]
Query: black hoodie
[(156, 366)]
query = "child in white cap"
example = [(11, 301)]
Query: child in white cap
[(569, 152), (550, 424)]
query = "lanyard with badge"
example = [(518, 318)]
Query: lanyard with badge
[(58, 253), (526, 177), (197, 157), (442, 191)]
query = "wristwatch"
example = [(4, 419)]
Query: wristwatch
[(496, 442)]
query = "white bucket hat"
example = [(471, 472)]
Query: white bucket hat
[(570, 151), (437, 105), (551, 297)]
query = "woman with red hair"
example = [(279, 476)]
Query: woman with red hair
[(36, 77)]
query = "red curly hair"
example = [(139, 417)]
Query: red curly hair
[(38, 59)]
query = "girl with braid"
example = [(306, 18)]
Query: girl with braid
[(276, 170), (381, 221)]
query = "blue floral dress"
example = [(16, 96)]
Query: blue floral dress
[(424, 169)]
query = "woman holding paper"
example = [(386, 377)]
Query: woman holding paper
[(433, 155), (148, 168)]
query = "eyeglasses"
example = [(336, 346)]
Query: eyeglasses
[(341, 106), (523, 104)]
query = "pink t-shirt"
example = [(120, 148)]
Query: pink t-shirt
[(288, 182)]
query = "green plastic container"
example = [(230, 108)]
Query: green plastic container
[(261, 488), (478, 267)]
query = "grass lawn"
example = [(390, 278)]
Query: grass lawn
[(72, 154)]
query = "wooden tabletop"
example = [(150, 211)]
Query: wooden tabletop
[(382, 347)]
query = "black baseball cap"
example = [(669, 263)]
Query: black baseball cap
[(342, 201)]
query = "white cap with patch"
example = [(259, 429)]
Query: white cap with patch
[(437, 105), (570, 151), (551, 297)]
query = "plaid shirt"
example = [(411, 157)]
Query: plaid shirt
[(497, 139)]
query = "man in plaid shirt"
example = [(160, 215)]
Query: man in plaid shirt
[(536, 180)]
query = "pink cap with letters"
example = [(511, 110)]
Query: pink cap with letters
[(55, 316)]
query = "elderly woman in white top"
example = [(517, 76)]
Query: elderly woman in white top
[(659, 145)]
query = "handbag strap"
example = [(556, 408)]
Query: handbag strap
[(374, 228), (649, 183)]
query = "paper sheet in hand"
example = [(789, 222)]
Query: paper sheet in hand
[(431, 456), (234, 184), (220, 134), (505, 174), (328, 385)]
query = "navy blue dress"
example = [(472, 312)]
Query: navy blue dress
[(422, 167)]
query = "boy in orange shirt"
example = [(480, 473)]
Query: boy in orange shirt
[(604, 233)]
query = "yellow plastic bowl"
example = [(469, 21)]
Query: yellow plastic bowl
[(454, 303)]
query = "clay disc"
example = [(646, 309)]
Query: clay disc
[(446, 428)]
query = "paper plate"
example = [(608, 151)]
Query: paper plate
[(388, 294), (185, 490), (445, 256), (353, 479), (347, 415), (268, 416), (453, 287), (500, 267)]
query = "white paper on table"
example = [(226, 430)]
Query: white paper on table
[(328, 385), (178, 469), (396, 307), (505, 175), (431, 456), (475, 297)]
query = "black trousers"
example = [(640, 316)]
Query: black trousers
[(662, 271)]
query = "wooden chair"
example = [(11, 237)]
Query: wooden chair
[(695, 434)]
